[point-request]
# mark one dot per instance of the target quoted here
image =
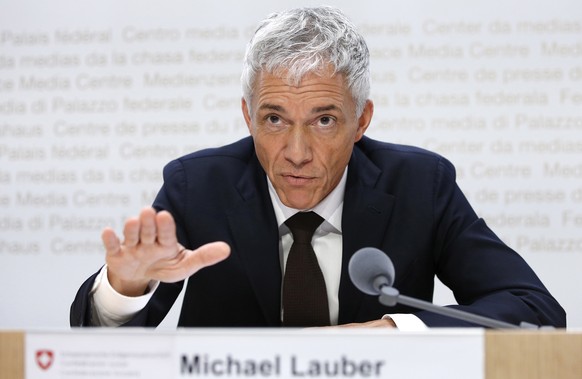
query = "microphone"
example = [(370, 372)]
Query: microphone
[(372, 272)]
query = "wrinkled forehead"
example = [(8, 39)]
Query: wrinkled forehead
[(323, 74)]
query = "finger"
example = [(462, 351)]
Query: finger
[(147, 226), (381, 323), (166, 229), (110, 241), (131, 232)]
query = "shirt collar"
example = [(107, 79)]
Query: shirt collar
[(329, 208)]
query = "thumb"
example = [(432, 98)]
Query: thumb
[(207, 255), (188, 262)]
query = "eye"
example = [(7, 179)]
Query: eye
[(325, 121), (274, 119)]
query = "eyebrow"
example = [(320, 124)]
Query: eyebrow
[(326, 108), (272, 107), (279, 108)]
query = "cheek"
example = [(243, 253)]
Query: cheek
[(335, 159), (261, 155), (266, 150)]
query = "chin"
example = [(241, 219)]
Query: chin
[(296, 202), (299, 204), (299, 198)]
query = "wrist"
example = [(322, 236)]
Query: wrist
[(130, 288), (390, 321)]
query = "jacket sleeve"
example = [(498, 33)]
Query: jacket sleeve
[(80, 312), (486, 276)]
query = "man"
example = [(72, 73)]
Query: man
[(306, 86)]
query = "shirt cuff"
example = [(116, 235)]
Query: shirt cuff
[(110, 308), (407, 322)]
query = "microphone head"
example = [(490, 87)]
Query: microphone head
[(370, 269)]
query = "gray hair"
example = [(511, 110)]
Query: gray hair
[(306, 40)]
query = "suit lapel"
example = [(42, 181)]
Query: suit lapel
[(254, 228), (365, 218)]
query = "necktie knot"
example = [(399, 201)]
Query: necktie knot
[(303, 225)]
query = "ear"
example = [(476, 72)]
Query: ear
[(364, 120), (246, 114)]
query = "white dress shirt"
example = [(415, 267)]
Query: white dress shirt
[(326, 242), (110, 308)]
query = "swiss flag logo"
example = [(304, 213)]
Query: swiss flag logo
[(44, 358)]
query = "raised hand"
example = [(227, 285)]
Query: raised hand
[(150, 251)]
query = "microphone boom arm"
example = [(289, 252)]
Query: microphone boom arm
[(389, 296), (372, 272)]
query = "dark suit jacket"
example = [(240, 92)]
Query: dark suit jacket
[(400, 199)]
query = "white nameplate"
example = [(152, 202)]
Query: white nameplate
[(254, 353)]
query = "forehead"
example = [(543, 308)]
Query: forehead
[(312, 85)]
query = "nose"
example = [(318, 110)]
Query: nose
[(298, 147)]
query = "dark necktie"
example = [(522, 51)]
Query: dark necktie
[(304, 292)]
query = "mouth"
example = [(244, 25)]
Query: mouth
[(297, 180)]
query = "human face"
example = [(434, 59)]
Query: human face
[(304, 135)]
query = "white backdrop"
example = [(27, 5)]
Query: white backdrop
[(95, 97)]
